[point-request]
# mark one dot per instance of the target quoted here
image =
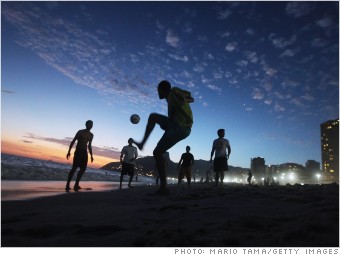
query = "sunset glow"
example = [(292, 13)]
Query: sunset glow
[(266, 72)]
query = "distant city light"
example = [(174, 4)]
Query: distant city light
[(318, 176)]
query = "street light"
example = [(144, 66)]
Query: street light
[(318, 176)]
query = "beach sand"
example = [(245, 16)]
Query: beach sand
[(203, 216)]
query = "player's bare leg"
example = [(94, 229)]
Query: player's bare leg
[(160, 164), (152, 121)]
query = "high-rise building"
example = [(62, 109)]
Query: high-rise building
[(257, 167), (312, 171), (330, 150)]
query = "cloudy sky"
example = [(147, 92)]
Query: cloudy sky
[(267, 72)]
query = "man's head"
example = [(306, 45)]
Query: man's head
[(221, 132), (89, 124), (188, 148), (130, 141), (164, 88)]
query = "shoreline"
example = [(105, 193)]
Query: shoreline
[(12, 190), (202, 216)]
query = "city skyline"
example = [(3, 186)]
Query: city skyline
[(266, 72)]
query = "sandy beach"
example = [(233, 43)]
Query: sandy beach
[(203, 216)]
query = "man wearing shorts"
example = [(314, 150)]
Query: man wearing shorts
[(220, 145), (184, 166), (130, 154), (84, 140), (177, 125)]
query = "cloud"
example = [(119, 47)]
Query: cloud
[(242, 62), (268, 101), (218, 74), (269, 70), (179, 58), (257, 94), (281, 42), (26, 141), (186, 74), (224, 14), (208, 56), (159, 25), (199, 68), (298, 9), (288, 139), (308, 97), (319, 42), (268, 86), (288, 53), (279, 108), (104, 151), (297, 102), (290, 83), (225, 34), (172, 39), (66, 141), (7, 91), (187, 28), (250, 31), (231, 46), (324, 22), (213, 87), (251, 56), (86, 58)]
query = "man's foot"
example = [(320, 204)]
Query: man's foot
[(129, 186), (76, 188), (139, 145), (67, 189)]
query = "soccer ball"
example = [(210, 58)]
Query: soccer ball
[(134, 118)]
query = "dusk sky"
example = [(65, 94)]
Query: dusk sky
[(266, 72)]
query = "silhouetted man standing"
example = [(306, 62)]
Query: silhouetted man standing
[(220, 146), (84, 140), (129, 153), (184, 166)]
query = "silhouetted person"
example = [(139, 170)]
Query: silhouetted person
[(250, 175), (220, 146), (157, 179), (177, 125), (130, 154), (184, 166), (207, 174), (84, 140)]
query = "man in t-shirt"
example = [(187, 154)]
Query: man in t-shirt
[(84, 140), (177, 126), (130, 154), (184, 166), (220, 146)]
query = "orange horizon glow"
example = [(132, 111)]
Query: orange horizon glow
[(43, 151)]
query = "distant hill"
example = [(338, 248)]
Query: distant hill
[(146, 166)]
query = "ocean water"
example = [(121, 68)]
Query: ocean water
[(28, 178), (19, 161)]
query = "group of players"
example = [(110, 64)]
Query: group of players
[(177, 126)]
